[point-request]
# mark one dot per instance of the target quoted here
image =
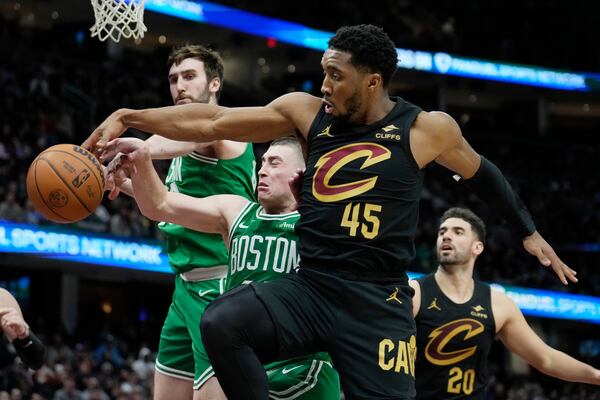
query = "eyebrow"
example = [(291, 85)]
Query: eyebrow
[(271, 158), (182, 72), (454, 228), (330, 67)]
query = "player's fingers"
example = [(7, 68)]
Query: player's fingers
[(114, 193), (88, 144), (556, 265), (110, 149), (564, 268), (5, 310)]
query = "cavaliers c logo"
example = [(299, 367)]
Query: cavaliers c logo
[(332, 162), (439, 338)]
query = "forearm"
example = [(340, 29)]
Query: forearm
[(189, 122), (491, 187), (147, 189), (567, 368), (162, 148), (31, 350)]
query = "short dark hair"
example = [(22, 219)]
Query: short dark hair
[(213, 63), (371, 48), (477, 224)]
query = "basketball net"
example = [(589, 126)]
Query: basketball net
[(118, 18)]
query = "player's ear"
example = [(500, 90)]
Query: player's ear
[(374, 81), (478, 247), (215, 85)]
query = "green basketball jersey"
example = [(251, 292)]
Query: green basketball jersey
[(201, 176), (263, 247)]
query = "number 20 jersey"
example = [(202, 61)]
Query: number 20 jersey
[(360, 196), (453, 342)]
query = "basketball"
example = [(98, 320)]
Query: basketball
[(65, 183)]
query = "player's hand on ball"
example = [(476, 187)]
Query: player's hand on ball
[(132, 147), (117, 172), (110, 129)]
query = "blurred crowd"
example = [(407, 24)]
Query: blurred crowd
[(109, 370), (112, 369)]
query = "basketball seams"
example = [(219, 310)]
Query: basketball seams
[(35, 180), (85, 162), (66, 184)]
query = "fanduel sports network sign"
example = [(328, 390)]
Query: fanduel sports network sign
[(437, 63), (82, 247), (549, 304)]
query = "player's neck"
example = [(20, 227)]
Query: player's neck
[(278, 208), (456, 281), (379, 109)]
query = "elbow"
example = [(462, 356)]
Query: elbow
[(150, 213), (153, 213), (543, 363)]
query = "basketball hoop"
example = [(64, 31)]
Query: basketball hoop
[(118, 18)]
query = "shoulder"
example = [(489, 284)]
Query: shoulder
[(228, 149), (499, 298), (296, 103), (298, 107), (414, 284), (231, 205), (503, 307), (432, 134), (437, 125)]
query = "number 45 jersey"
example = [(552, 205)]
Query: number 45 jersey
[(360, 196)]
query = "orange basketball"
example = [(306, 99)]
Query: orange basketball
[(65, 183)]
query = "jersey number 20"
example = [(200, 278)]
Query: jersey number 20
[(460, 381)]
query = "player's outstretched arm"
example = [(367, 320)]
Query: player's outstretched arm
[(210, 214), (162, 148), (197, 122), (438, 138), (519, 338)]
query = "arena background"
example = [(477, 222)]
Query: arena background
[(97, 291)]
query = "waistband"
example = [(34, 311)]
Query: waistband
[(383, 277), (204, 274)]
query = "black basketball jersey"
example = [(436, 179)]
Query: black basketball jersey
[(360, 196), (453, 343)]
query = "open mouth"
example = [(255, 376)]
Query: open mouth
[(446, 247), (328, 106)]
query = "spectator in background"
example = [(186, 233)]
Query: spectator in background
[(108, 351), (10, 209), (93, 390), (68, 392)]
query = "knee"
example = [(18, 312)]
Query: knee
[(213, 321)]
